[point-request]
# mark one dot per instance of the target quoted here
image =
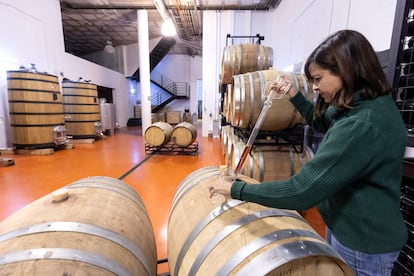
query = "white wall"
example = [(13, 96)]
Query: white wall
[(182, 68), (296, 27), (75, 67), (179, 68), (216, 26), (34, 35), (131, 59), (293, 30), (31, 32)]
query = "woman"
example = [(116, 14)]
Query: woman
[(354, 178)]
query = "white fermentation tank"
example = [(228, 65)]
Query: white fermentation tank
[(108, 117)]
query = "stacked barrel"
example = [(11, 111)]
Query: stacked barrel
[(246, 74), (35, 108), (161, 133)]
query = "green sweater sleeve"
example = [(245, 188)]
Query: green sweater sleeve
[(305, 108), (341, 159)]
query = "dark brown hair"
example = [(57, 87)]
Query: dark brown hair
[(350, 56)]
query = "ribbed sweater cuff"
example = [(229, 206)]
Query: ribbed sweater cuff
[(236, 189)]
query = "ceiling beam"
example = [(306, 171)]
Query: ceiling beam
[(264, 5)]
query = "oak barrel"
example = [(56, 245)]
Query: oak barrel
[(226, 103), (270, 162), (35, 108), (184, 134), (158, 134), (243, 58), (249, 93), (228, 138), (215, 237), (81, 107), (102, 228)]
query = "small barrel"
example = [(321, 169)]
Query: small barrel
[(35, 108), (93, 226), (158, 134), (81, 107), (249, 93), (5, 162), (184, 134), (270, 162), (243, 58), (240, 238)]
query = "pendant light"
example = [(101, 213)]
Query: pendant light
[(109, 48)]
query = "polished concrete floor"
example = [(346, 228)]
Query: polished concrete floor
[(122, 155)]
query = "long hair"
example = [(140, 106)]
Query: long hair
[(350, 56)]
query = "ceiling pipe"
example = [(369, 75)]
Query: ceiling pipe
[(185, 26), (197, 18), (162, 9), (189, 44), (264, 5), (168, 26), (180, 13)]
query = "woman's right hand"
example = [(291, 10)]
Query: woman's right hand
[(221, 186), (283, 86)]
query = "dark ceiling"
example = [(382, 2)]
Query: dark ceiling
[(88, 24)]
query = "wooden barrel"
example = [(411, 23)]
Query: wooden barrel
[(235, 153), (228, 138), (271, 162), (81, 107), (102, 228), (226, 103), (243, 58), (248, 96), (225, 132), (158, 134), (35, 107), (312, 138), (236, 237), (184, 134)]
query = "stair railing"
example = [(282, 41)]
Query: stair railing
[(179, 89), (159, 97)]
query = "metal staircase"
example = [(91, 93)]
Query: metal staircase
[(157, 54), (167, 90)]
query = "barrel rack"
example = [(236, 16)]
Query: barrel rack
[(287, 137), (258, 36), (172, 149)]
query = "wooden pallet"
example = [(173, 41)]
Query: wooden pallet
[(82, 141), (6, 151), (46, 151)]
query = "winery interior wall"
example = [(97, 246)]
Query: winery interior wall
[(33, 34)]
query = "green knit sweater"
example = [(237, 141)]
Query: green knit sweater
[(354, 178)]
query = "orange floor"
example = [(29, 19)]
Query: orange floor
[(154, 177)]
